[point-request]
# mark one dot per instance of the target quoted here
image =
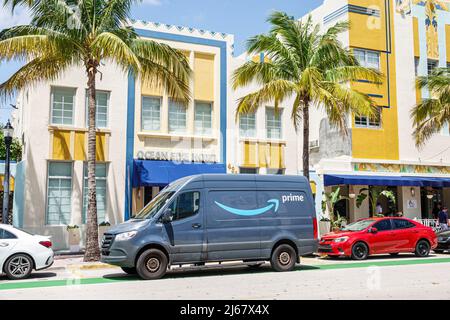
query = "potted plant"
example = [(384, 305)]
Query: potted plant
[(335, 222), (338, 223), (102, 228), (74, 238), (324, 225)]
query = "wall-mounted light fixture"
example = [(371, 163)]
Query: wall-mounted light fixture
[(413, 192), (351, 193), (430, 196)]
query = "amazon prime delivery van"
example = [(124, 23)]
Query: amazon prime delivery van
[(215, 218)]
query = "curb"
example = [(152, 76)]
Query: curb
[(96, 266)]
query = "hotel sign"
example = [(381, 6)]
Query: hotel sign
[(177, 156)]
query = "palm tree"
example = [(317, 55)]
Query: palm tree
[(432, 114), (312, 67), (86, 33)]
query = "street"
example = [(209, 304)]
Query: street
[(382, 277)]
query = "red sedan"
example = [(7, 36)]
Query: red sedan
[(371, 236)]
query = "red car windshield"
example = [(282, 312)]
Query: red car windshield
[(358, 225)]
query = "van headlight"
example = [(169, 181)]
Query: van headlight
[(341, 239), (125, 235)]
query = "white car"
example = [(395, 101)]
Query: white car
[(21, 252)]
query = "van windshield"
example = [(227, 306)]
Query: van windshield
[(161, 199), (155, 205)]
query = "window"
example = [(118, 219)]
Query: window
[(383, 225), (151, 113), (101, 109), (248, 170), (446, 129), (273, 124), (416, 65), (367, 58), (203, 118), (247, 125), (6, 235), (101, 175), (369, 122), (431, 65), (177, 117), (62, 101), (275, 171), (402, 224), (186, 205), (59, 193)]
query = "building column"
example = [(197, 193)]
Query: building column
[(361, 212), (409, 202)]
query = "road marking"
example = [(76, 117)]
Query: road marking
[(85, 281)]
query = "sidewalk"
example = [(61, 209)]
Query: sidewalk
[(63, 262)]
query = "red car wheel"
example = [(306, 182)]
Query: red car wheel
[(360, 251)]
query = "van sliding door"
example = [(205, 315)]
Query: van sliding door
[(232, 227)]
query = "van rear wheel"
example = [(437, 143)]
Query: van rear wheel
[(152, 264), (283, 258)]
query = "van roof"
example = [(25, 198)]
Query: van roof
[(249, 177)]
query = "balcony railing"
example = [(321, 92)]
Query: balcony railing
[(432, 223)]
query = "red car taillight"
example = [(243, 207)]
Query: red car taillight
[(47, 244), (316, 235)]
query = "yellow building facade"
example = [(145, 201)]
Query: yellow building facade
[(402, 39)]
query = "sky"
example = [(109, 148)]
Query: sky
[(243, 18)]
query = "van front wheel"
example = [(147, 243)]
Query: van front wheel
[(283, 258), (152, 264), (129, 270)]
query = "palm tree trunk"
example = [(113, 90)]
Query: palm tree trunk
[(92, 252), (306, 140)]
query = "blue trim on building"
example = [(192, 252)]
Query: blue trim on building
[(351, 8), (130, 144), (222, 45)]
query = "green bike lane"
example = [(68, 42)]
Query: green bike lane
[(121, 278)]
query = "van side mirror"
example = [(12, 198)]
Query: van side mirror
[(167, 216), (373, 230)]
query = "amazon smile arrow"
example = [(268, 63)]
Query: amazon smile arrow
[(273, 203)]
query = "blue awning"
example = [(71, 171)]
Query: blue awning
[(338, 179), (161, 173)]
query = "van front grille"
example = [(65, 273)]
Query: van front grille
[(106, 243)]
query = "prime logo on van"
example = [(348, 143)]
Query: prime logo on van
[(273, 204), (292, 198)]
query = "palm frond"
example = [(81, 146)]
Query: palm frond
[(25, 47), (163, 66), (261, 72), (273, 92), (339, 100), (353, 73), (109, 46), (429, 117), (35, 71)]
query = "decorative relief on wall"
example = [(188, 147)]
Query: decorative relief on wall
[(403, 7), (431, 24), (399, 168)]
